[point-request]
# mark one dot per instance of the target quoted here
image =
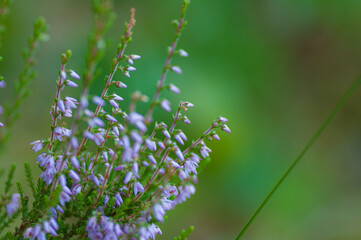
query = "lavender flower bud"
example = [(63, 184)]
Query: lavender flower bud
[(135, 57), (151, 144), (1, 124), (13, 206), (74, 142), (89, 135), (161, 144), (166, 133), (128, 177), (74, 176), (186, 120), (165, 104), (158, 212), (120, 84), (176, 69), (114, 103), (131, 69), (188, 104), (152, 159), (37, 145), (110, 118), (99, 101), (75, 162), (61, 105), (183, 53), (138, 187), (2, 84), (223, 119), (63, 75), (74, 74), (116, 97), (71, 83), (179, 154), (179, 139), (174, 88), (226, 128)]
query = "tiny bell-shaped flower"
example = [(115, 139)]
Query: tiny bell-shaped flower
[(74, 74), (174, 88), (176, 69), (2, 84), (183, 53), (226, 128), (165, 104)]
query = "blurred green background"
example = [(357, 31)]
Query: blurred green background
[(275, 68)]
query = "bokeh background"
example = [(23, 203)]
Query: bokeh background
[(275, 68)]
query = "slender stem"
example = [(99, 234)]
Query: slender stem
[(313, 139), (148, 117), (110, 78), (55, 117)]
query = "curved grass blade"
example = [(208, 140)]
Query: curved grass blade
[(313, 139)]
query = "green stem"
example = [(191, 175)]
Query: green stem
[(313, 139)]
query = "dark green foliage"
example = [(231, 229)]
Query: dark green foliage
[(29, 178), (24, 201)]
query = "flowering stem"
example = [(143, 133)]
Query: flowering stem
[(160, 86), (55, 113), (309, 144), (110, 78)]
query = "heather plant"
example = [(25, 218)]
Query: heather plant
[(108, 171)]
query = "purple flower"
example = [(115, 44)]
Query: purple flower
[(74, 74), (37, 145), (114, 103), (179, 154), (61, 105), (13, 206), (2, 84), (179, 139), (176, 69), (48, 175), (136, 136), (128, 177), (89, 135), (166, 133), (188, 104), (158, 212), (110, 118), (174, 88), (116, 97), (118, 199), (71, 83), (183, 53), (186, 120), (75, 162), (74, 176), (165, 104), (63, 75), (190, 167), (151, 144), (99, 101), (223, 119), (152, 159), (138, 187), (226, 128), (131, 69)]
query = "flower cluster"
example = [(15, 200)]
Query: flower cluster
[(111, 169)]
